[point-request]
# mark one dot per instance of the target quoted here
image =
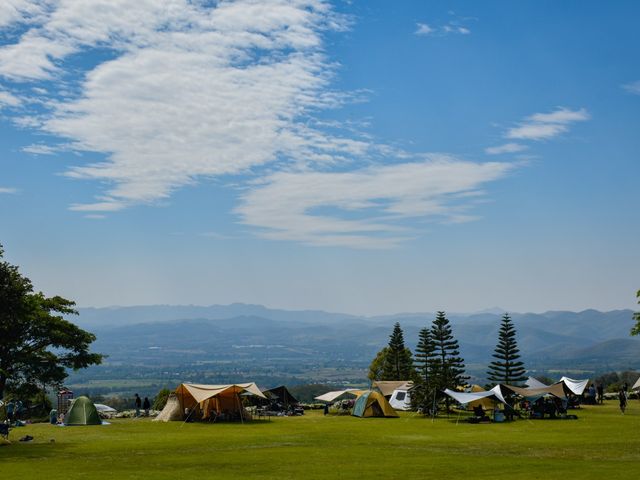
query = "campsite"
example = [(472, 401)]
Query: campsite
[(601, 444)]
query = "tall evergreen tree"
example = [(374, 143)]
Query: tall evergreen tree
[(447, 367), (398, 364), (422, 392), (507, 368)]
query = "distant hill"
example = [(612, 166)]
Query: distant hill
[(241, 341)]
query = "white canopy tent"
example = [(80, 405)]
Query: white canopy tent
[(334, 395), (576, 387), (636, 385), (466, 397)]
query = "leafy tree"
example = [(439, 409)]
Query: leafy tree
[(422, 392), (376, 368), (447, 368), (37, 345), (636, 317), (507, 368), (161, 398), (398, 360)]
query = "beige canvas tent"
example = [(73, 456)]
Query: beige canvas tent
[(210, 402), (486, 402), (171, 410)]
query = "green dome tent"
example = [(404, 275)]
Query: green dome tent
[(372, 404), (82, 412)]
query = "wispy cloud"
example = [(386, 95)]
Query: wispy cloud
[(40, 149), (366, 208), (194, 90), (543, 126), (506, 148), (633, 87), (8, 190), (424, 29), (7, 99)]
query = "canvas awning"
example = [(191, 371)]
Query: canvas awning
[(466, 397), (331, 396), (577, 387), (534, 383), (557, 390), (387, 387), (200, 392)]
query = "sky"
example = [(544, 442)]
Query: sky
[(365, 157)]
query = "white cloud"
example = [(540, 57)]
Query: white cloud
[(542, 126), (8, 190), (506, 148), (195, 90), (40, 149), (633, 87), (7, 99), (424, 29), (454, 26), (22, 11), (366, 208)]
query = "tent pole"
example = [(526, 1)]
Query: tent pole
[(240, 407)]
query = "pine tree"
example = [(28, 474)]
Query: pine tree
[(447, 368), (507, 368), (422, 392), (424, 355), (398, 364)]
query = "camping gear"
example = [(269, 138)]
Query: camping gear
[(82, 412), (486, 403), (280, 398), (397, 392), (105, 411), (372, 404), (53, 416)]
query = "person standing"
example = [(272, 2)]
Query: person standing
[(146, 405), (138, 405), (600, 393), (622, 397)]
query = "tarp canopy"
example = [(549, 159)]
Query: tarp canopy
[(334, 395), (557, 390), (387, 387), (82, 412), (171, 410), (535, 383), (636, 385), (576, 387), (282, 395), (466, 397), (372, 404), (486, 402)]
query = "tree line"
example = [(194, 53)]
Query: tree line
[(437, 364)]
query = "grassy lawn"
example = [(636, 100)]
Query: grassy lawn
[(602, 443)]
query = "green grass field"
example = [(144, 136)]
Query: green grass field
[(601, 444)]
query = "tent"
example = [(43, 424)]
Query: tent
[(105, 410), (212, 401), (335, 394), (486, 402), (282, 396), (636, 385), (171, 410), (576, 387), (467, 397), (532, 382), (532, 394), (372, 404), (387, 387), (82, 412)]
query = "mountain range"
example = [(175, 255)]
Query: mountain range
[(167, 344)]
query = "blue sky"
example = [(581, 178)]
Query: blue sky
[(367, 157)]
